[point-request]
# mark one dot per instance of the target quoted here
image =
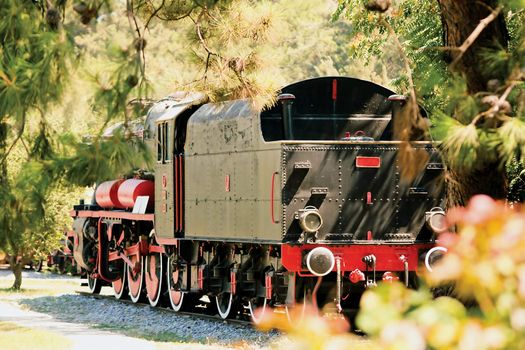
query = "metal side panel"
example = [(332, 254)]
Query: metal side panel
[(228, 196), (356, 202)]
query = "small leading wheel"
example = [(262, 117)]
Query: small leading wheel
[(94, 284), (154, 274), (120, 287), (226, 305), (135, 277), (179, 300), (258, 309)]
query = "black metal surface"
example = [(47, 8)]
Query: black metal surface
[(397, 209), (324, 110)]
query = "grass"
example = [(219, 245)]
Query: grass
[(22, 338), (36, 287)]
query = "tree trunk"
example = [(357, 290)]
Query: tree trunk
[(459, 19), (16, 265)]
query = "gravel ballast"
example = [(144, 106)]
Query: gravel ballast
[(146, 322)]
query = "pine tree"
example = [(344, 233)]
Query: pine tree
[(464, 65)]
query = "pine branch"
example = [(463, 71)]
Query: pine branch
[(492, 111), (474, 35), (18, 137), (406, 63)]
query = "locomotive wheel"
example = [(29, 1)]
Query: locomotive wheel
[(258, 308), (179, 300), (120, 287), (154, 266), (296, 312), (135, 278), (226, 305), (94, 284)]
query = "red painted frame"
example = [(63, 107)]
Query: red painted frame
[(388, 257), (110, 214)]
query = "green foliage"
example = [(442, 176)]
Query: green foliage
[(475, 129), (86, 163)]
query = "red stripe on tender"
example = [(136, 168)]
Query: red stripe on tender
[(368, 162), (334, 89)]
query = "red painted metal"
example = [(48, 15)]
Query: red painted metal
[(200, 276), (130, 189), (152, 279), (388, 256), (166, 241), (106, 194), (233, 282), (227, 183), (367, 162), (109, 231), (369, 236), (127, 261), (272, 198), (133, 250), (112, 256), (121, 238), (107, 214), (268, 286), (176, 193), (99, 227), (389, 277), (156, 249), (369, 198), (334, 89), (357, 276), (179, 194), (143, 246)]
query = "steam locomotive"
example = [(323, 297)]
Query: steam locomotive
[(300, 203)]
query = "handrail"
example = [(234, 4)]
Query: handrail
[(272, 198)]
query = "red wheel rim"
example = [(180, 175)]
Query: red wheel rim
[(154, 272), (119, 286), (176, 296), (135, 278)]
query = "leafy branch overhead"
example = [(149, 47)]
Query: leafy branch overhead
[(465, 63)]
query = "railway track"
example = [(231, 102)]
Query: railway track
[(200, 315)]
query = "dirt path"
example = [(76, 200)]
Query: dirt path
[(83, 337)]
